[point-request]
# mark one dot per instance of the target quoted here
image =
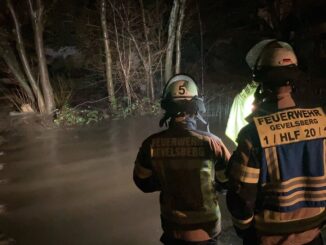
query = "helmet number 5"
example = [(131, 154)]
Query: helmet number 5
[(182, 89)]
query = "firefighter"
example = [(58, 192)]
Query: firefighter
[(184, 164), (277, 174)]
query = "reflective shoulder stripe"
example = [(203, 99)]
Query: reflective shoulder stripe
[(272, 164), (246, 174), (242, 224), (142, 172)]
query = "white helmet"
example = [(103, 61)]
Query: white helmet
[(271, 53), (180, 94), (273, 63)]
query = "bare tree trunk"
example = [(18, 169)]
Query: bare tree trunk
[(23, 58), (125, 63), (148, 68), (10, 59), (179, 36), (171, 39), (273, 6), (159, 37), (202, 57), (127, 56), (108, 57), (127, 74), (38, 25)]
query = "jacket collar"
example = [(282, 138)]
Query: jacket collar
[(185, 122)]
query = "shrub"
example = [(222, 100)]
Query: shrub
[(138, 107), (68, 116)]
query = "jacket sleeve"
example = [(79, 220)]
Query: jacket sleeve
[(221, 156), (143, 174), (243, 173)]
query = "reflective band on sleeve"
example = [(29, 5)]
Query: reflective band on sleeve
[(142, 172), (246, 174), (242, 224), (220, 176)]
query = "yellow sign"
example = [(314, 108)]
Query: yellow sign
[(291, 126)]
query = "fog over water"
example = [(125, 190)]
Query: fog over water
[(74, 186)]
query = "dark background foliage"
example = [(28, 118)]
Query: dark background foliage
[(216, 37)]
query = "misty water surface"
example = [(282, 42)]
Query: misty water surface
[(74, 186)]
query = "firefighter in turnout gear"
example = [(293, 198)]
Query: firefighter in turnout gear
[(185, 165), (277, 174)]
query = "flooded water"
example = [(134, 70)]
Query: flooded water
[(74, 187)]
